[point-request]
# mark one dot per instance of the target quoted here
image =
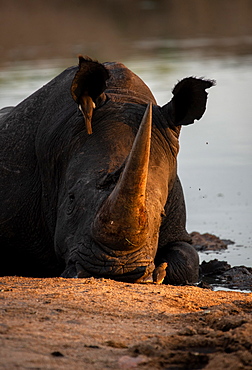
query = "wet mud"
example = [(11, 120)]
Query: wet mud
[(216, 273)]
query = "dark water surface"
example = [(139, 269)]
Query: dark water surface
[(215, 160)]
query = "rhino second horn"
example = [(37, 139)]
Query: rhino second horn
[(122, 223)]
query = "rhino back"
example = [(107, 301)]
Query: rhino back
[(18, 130), (24, 232)]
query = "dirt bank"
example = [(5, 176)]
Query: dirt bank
[(103, 324)]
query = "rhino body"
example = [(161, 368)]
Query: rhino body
[(104, 204)]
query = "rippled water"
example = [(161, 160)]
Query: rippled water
[(215, 160)]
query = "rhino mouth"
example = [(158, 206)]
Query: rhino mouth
[(102, 262), (134, 273)]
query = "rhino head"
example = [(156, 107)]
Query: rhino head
[(120, 205)]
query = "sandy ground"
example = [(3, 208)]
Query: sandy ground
[(102, 324)]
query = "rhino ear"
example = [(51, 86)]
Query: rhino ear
[(87, 87), (89, 80), (189, 100)]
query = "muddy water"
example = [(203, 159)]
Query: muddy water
[(215, 160)]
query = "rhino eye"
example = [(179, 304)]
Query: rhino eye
[(70, 206), (71, 197)]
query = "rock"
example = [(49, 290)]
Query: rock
[(188, 330), (220, 273), (114, 344), (239, 277), (206, 242), (57, 354), (214, 267), (128, 362)]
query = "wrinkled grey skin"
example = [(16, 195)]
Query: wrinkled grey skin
[(55, 177)]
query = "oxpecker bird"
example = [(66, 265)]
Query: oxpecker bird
[(160, 273), (87, 88)]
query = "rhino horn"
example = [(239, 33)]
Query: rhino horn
[(122, 221)]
